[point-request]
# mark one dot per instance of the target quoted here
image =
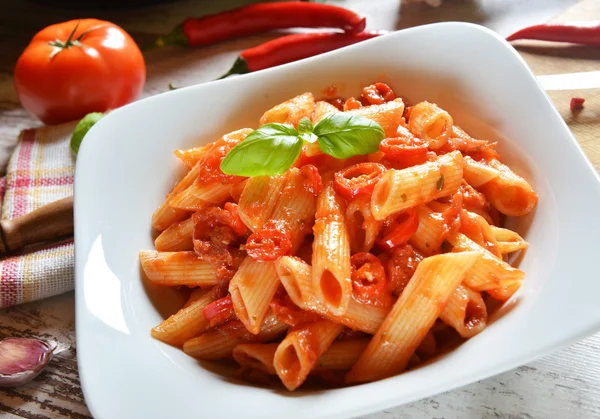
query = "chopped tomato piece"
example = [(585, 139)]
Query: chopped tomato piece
[(268, 244), (400, 267), (404, 147), (376, 94), (368, 279), (352, 104), (219, 311), (235, 221), (312, 179), (576, 103), (399, 230), (359, 179)]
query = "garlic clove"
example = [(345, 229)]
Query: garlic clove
[(22, 359)]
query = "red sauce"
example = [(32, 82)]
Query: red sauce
[(289, 313), (210, 163), (376, 94), (401, 266), (352, 104), (330, 90), (338, 102)]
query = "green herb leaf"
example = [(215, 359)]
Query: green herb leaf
[(267, 151), (344, 135), (305, 128), (440, 183), (86, 123)]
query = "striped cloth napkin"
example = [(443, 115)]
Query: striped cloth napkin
[(41, 170)]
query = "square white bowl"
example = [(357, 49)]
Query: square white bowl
[(126, 166)]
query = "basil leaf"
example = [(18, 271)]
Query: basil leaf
[(267, 151), (305, 128), (344, 135), (84, 125)]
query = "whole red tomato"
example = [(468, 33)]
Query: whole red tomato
[(73, 68)]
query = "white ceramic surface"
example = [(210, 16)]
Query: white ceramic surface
[(126, 166)]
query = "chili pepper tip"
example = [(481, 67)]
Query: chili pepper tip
[(240, 66)]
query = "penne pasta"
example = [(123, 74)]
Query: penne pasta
[(331, 252), (186, 323), (388, 115), (402, 189), (177, 268), (295, 275), (191, 156), (430, 234), (252, 289), (290, 111), (362, 227), (477, 173), (220, 342), (509, 193), (465, 312), (412, 316), (341, 355), (200, 195), (178, 237), (323, 108), (256, 355), (476, 228), (165, 216), (508, 241), (259, 198), (431, 123), (489, 272), (297, 354)]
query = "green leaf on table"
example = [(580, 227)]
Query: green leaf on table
[(270, 150), (344, 135), (82, 128)]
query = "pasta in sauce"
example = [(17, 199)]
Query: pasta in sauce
[(350, 270)]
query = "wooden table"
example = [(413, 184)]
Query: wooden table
[(564, 385)]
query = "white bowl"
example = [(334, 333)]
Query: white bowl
[(126, 166)]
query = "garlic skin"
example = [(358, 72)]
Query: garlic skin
[(22, 359)]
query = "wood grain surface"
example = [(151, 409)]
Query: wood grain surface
[(564, 385)]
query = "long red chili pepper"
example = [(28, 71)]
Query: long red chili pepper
[(584, 33), (261, 17), (294, 47)]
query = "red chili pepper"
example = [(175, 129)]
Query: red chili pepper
[(576, 103), (399, 230), (359, 179), (403, 147), (219, 311), (368, 278), (313, 183), (376, 94), (289, 48), (584, 33), (259, 18), (268, 244)]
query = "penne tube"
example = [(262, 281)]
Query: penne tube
[(341, 355), (428, 345), (177, 268), (508, 240), (430, 234), (431, 123), (291, 111), (477, 173), (220, 342), (199, 195), (509, 193), (237, 189), (489, 272), (362, 227), (256, 355), (196, 294), (252, 288), (186, 323), (506, 290), (331, 252), (413, 314), (191, 156), (295, 208), (388, 115), (296, 277), (165, 216), (176, 238), (398, 190), (323, 108), (259, 198), (465, 312), (476, 228), (298, 353)]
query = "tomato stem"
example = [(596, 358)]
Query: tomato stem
[(70, 42)]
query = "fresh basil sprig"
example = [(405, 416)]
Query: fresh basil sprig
[(273, 148)]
